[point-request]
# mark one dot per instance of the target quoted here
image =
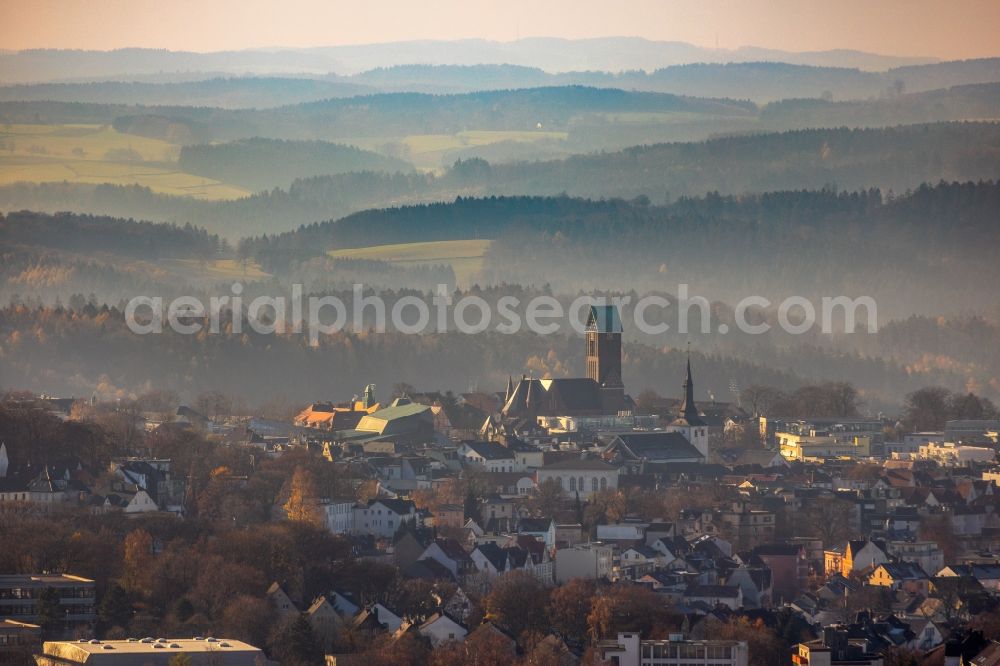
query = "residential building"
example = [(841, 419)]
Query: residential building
[(593, 561), (835, 648), (925, 554), (854, 556), (441, 628), (491, 456), (449, 515), (543, 529), (745, 527), (712, 596), (905, 576), (382, 517), (338, 515), (789, 568)]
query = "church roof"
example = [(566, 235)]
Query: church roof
[(605, 319), (655, 446), (581, 464)]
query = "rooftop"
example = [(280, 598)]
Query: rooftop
[(152, 651)]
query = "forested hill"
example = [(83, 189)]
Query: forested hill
[(948, 214), (223, 92), (761, 81), (931, 251), (259, 163), (393, 114), (88, 234), (896, 159)]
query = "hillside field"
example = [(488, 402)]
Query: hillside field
[(99, 154), (464, 256), (429, 152)]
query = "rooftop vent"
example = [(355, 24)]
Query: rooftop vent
[(199, 638), (158, 646), (174, 645), (109, 647), (94, 641), (225, 645)]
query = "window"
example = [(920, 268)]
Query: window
[(572, 484), (593, 484), (580, 484), (604, 483)]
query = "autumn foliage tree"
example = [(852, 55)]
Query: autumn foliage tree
[(303, 498), (628, 608), (569, 606), (138, 550), (518, 602)]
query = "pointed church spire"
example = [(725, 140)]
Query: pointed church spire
[(688, 409), (510, 389)]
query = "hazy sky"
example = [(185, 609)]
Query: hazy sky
[(946, 29)]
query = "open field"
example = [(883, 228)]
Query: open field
[(464, 256), (218, 269), (428, 151), (98, 154)]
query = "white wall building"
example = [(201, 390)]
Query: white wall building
[(950, 453), (586, 560), (382, 517), (339, 515), (584, 477), (630, 650)]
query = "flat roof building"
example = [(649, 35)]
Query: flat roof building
[(19, 595), (155, 652), (630, 650)]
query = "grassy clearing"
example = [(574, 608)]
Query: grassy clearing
[(652, 117), (219, 269), (98, 154), (464, 256), (429, 151)]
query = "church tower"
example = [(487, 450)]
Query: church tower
[(604, 356), (689, 422), (604, 346)]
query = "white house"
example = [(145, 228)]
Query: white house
[(141, 502), (440, 628), (490, 456), (382, 517), (338, 515), (388, 618)]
